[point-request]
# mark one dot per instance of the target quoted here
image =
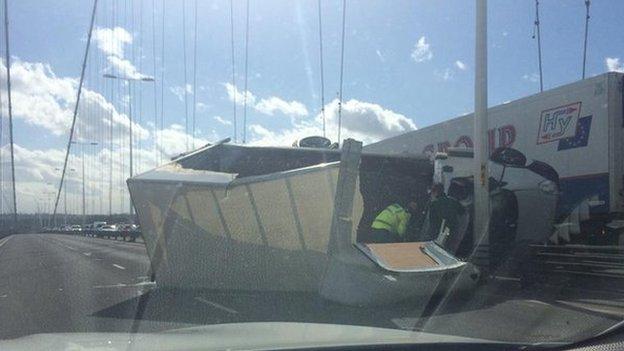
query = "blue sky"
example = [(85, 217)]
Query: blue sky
[(392, 88)]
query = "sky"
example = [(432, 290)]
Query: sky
[(407, 65)]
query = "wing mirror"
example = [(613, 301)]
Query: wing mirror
[(508, 157)]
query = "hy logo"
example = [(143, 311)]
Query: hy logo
[(558, 123)]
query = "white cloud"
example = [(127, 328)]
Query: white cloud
[(422, 51), (268, 106), (42, 99), (365, 121), (222, 120), (381, 57), (274, 103), (460, 65), (38, 173), (173, 140), (112, 41), (614, 65), (533, 77), (445, 74), (201, 107), (179, 91), (123, 68), (235, 94)]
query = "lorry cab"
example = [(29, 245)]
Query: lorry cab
[(523, 201)]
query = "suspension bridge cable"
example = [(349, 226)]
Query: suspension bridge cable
[(320, 26), (194, 71), (246, 65), (140, 63), (122, 131), (112, 97), (101, 125), (154, 134), (587, 4), (162, 77), (342, 45), (73, 124), (2, 194), (539, 43), (1, 163), (233, 67), (186, 121), (10, 105)]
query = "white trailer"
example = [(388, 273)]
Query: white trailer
[(578, 129)]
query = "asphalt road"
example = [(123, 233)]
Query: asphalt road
[(60, 283)]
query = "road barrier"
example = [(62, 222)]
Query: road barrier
[(580, 260), (125, 235)]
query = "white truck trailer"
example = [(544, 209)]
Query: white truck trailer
[(577, 128)]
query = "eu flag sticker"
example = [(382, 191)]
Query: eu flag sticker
[(581, 138)]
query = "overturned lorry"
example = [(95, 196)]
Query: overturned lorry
[(233, 217)]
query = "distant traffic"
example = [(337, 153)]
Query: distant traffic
[(99, 229)]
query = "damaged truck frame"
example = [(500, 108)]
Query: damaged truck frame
[(231, 217)]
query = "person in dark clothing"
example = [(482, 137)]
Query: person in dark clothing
[(442, 208)]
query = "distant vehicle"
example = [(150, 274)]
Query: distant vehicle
[(75, 228), (107, 231), (98, 225), (317, 142), (129, 232)]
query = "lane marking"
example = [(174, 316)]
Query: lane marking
[(122, 285), (538, 302), (86, 254), (499, 277), (118, 266), (216, 305), (5, 241)]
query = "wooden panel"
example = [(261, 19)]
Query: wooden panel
[(402, 255)]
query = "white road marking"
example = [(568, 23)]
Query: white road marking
[(122, 285), (118, 266), (537, 302), (5, 241), (498, 277), (216, 305), (118, 285), (86, 253), (390, 278)]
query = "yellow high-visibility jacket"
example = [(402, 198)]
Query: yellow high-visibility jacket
[(394, 219)]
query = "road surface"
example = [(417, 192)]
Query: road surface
[(61, 283)]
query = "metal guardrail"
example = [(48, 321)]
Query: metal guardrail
[(131, 235), (580, 260)]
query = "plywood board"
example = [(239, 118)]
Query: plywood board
[(402, 255)]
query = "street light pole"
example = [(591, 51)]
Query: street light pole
[(82, 155), (481, 152), (131, 146)]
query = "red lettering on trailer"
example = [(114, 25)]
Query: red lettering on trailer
[(506, 138)]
